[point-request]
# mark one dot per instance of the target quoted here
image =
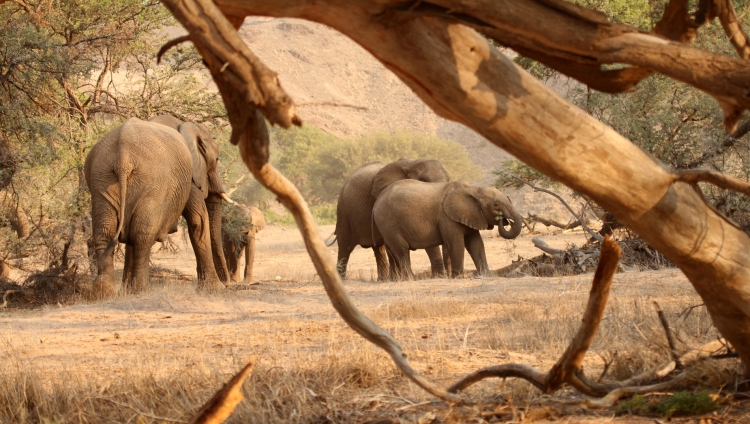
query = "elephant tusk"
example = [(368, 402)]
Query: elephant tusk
[(227, 199)]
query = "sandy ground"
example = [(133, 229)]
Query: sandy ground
[(173, 324)]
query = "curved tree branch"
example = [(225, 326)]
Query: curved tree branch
[(596, 236)]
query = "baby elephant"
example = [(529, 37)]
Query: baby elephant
[(240, 224), (415, 215)]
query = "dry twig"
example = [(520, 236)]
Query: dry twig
[(596, 236)]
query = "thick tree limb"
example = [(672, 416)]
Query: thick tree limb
[(728, 18)]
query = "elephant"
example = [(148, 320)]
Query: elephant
[(358, 195), (246, 224), (206, 195), (142, 177), (416, 215)]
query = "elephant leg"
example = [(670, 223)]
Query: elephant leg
[(230, 252), (104, 225), (196, 215), (455, 248), (475, 246), (139, 276), (214, 207), (127, 270), (436, 261), (381, 259), (447, 262), (399, 250), (345, 251), (249, 257)]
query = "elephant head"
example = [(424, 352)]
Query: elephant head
[(481, 208), (425, 170)]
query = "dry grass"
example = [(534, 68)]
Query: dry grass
[(160, 354)]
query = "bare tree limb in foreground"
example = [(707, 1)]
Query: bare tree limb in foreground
[(221, 405), (433, 49)]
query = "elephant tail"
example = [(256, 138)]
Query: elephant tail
[(122, 178), (332, 241)]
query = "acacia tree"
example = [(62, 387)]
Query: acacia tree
[(436, 48)]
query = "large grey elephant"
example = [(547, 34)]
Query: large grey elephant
[(142, 177), (358, 195), (206, 194), (238, 233), (416, 215)]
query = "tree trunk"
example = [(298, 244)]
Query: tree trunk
[(460, 76)]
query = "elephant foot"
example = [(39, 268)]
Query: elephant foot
[(102, 290), (210, 286)]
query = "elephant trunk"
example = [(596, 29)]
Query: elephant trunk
[(516, 224), (213, 204)]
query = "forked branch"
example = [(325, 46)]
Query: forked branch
[(694, 176)]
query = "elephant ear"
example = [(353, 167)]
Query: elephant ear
[(388, 175), (461, 206), (192, 134), (259, 222)]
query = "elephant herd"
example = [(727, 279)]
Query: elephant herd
[(411, 204), (144, 175)]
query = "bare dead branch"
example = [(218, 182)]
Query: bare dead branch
[(728, 18), (572, 359), (596, 236), (570, 362), (609, 400), (5, 298), (695, 176), (544, 247), (169, 44), (333, 104), (553, 223), (524, 372), (676, 23), (728, 142), (222, 404), (670, 338)]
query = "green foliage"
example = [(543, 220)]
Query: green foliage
[(687, 403), (69, 72), (636, 405), (680, 404)]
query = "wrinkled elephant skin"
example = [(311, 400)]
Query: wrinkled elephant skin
[(416, 215), (357, 198)]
